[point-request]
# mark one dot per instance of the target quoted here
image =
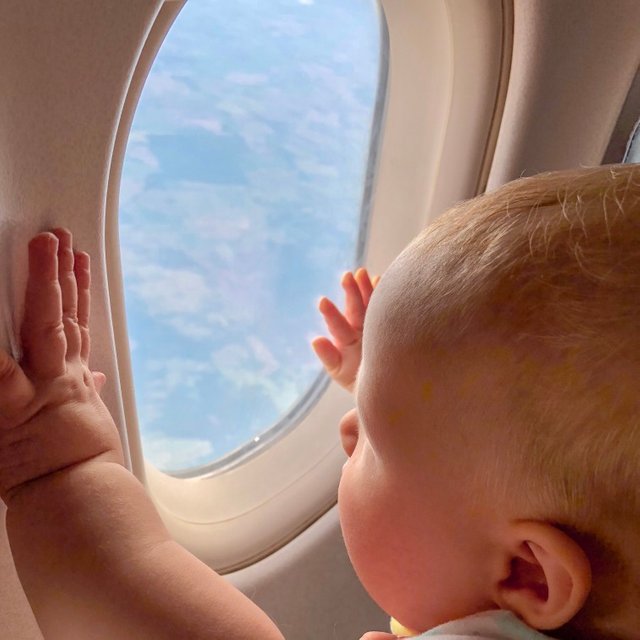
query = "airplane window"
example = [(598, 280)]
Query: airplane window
[(241, 204)]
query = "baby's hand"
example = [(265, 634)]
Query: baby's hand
[(341, 358), (51, 416)]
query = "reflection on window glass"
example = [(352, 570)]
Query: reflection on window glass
[(241, 206)]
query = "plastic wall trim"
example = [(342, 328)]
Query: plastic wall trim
[(165, 18), (573, 62)]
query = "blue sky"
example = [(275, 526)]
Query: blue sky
[(240, 207)]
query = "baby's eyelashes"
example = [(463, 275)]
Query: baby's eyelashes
[(349, 431)]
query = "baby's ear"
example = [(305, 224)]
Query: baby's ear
[(546, 576)]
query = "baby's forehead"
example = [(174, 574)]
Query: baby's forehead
[(386, 314), (391, 301), (397, 337)]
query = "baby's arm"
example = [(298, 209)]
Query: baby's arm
[(91, 552), (341, 358)]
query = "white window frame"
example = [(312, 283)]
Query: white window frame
[(448, 67)]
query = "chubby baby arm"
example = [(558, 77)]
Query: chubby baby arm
[(91, 552)]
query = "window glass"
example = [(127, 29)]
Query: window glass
[(241, 204)]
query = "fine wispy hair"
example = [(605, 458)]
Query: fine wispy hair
[(550, 266)]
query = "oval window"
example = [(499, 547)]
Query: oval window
[(241, 204)]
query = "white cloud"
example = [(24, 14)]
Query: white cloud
[(230, 358), (168, 291), (170, 453), (262, 354), (251, 365), (138, 150), (173, 373), (165, 84), (330, 119), (225, 252), (311, 167), (167, 376), (281, 390), (140, 163), (190, 329), (217, 319), (212, 125), (256, 135), (247, 79), (130, 188), (286, 26), (212, 230)]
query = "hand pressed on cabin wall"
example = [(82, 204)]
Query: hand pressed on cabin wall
[(51, 414)]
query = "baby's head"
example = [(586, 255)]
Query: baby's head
[(498, 459)]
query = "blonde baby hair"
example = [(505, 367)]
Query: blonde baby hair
[(551, 266)]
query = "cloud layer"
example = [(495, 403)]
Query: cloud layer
[(240, 206)]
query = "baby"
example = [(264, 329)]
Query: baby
[(492, 487)]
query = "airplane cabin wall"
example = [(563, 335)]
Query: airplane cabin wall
[(572, 66)]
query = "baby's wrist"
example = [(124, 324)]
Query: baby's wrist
[(60, 480)]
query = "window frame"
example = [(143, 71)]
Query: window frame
[(436, 141)]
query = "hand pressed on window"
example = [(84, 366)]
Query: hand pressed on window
[(341, 357)]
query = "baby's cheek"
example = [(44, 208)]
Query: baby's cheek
[(368, 525)]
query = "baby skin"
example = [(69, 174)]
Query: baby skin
[(96, 561), (91, 552), (430, 539), (440, 551), (78, 520)]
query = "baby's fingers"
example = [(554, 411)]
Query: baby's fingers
[(328, 354), (339, 327), (365, 284), (42, 333), (355, 306), (69, 290), (16, 390)]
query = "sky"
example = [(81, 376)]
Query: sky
[(240, 207)]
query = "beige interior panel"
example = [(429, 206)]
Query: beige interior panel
[(572, 66), (64, 70)]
